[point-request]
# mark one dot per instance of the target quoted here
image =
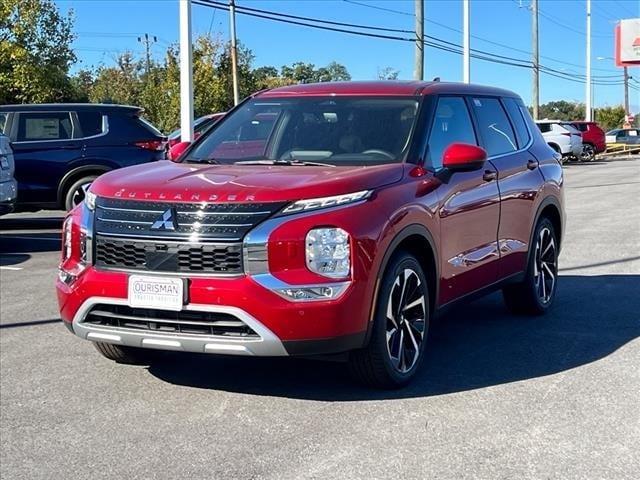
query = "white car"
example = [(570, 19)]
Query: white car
[(563, 137)]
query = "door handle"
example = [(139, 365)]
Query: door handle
[(489, 175), (532, 164)]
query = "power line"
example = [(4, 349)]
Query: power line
[(626, 9), (433, 42), (482, 39)]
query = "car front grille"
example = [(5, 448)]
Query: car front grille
[(175, 237), (160, 256), (187, 322)]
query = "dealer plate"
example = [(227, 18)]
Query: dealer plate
[(156, 292)]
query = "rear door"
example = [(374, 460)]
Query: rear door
[(43, 145), (469, 207), (506, 138)]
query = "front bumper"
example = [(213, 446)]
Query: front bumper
[(8, 194), (283, 327)]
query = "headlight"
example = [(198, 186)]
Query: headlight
[(90, 200), (66, 234), (326, 202), (328, 252)]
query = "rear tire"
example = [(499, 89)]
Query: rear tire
[(535, 294), (127, 355), (588, 153), (76, 192), (400, 327)]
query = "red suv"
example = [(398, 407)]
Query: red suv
[(593, 140), (323, 219)]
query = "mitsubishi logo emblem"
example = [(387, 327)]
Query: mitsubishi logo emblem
[(167, 221)]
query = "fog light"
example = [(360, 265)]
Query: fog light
[(311, 293), (328, 252)]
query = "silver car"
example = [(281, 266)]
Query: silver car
[(8, 185)]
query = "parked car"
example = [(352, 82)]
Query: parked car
[(629, 136), (8, 185), (60, 149), (352, 217), (564, 138), (199, 125), (593, 140)]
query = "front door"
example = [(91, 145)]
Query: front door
[(469, 209)]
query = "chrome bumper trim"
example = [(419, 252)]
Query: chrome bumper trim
[(268, 345)]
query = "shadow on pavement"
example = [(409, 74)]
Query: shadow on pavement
[(31, 223), (11, 258), (29, 324), (29, 243), (475, 346)]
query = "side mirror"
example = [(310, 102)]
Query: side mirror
[(463, 157), (176, 151)]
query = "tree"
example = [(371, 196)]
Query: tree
[(300, 72), (35, 52), (388, 73), (562, 110), (610, 117)]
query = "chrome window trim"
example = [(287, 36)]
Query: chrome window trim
[(105, 129)]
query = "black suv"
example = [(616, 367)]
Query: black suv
[(60, 149)]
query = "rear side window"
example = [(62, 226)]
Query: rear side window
[(452, 124), (148, 126), (517, 120), (3, 121), (544, 127), (494, 126), (90, 124), (42, 126), (583, 127)]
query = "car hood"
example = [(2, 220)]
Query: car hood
[(188, 182)]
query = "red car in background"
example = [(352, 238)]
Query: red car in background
[(593, 139), (199, 126), (331, 219)]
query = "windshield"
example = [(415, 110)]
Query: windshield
[(335, 131)]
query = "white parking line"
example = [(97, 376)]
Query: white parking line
[(10, 268)]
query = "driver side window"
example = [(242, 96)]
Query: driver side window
[(452, 124)]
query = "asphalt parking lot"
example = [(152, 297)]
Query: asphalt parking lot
[(499, 396)]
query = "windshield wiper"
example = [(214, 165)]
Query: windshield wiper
[(283, 162), (209, 161)]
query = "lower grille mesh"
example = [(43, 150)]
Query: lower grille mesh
[(165, 321)]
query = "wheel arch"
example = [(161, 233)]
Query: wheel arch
[(75, 174), (418, 241), (551, 209)]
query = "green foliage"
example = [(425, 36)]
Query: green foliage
[(610, 117), (561, 110), (35, 52), (388, 73)]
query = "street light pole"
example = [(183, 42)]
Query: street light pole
[(626, 91), (587, 110), (186, 70), (536, 59), (466, 58)]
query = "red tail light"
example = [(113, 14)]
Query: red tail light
[(153, 145)]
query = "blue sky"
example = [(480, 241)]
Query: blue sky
[(502, 27)]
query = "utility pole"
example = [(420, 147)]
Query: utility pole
[(234, 51), (535, 99), (148, 41), (466, 57), (418, 72), (587, 110), (186, 73), (626, 91)]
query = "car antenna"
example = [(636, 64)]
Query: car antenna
[(436, 79)]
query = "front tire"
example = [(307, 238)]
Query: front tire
[(400, 327), (535, 294), (128, 355)]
